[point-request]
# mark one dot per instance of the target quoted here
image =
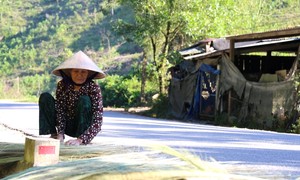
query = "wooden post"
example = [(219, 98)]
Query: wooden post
[(217, 100), (229, 104), (232, 54)]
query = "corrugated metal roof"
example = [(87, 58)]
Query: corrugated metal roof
[(218, 49), (244, 41)]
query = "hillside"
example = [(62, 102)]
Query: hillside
[(37, 35)]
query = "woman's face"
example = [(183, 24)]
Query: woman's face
[(79, 76)]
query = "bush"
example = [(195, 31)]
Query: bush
[(296, 127), (160, 108), (111, 91), (34, 85), (120, 91), (27, 88)]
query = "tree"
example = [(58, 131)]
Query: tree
[(160, 26)]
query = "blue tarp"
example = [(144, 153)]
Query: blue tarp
[(194, 111)]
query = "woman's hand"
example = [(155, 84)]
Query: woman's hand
[(74, 142)]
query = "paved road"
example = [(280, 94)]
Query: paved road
[(266, 154)]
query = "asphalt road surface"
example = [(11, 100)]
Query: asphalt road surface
[(264, 154)]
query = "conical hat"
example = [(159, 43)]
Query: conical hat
[(80, 61)]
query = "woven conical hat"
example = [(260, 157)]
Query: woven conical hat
[(79, 61)]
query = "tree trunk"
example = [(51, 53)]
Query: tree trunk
[(161, 84), (143, 79)]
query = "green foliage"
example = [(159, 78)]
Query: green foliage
[(34, 85), (174, 57), (47, 31), (258, 16), (157, 28), (6, 68), (120, 92), (27, 87), (159, 108), (296, 127)]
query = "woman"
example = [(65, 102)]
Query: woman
[(78, 108)]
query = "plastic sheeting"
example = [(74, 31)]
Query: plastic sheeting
[(182, 89), (259, 102), (198, 100)]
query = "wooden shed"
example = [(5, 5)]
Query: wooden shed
[(253, 81)]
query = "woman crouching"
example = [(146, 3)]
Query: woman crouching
[(77, 110)]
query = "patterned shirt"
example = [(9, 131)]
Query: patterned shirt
[(66, 99)]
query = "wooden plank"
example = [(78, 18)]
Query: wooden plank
[(267, 35), (232, 50)]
